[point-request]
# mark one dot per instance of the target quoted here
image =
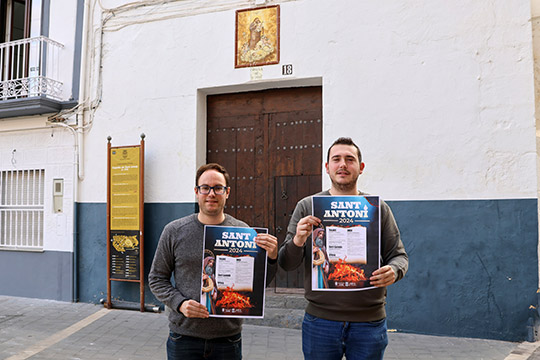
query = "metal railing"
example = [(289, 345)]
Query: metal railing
[(30, 67), (21, 209)]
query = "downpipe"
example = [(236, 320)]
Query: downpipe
[(533, 322)]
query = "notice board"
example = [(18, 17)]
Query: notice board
[(125, 216)]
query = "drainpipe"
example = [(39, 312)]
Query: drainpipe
[(79, 140), (87, 28), (74, 286), (531, 336)]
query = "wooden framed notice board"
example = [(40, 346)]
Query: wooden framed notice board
[(125, 216)]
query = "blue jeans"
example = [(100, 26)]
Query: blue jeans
[(182, 347), (330, 340)]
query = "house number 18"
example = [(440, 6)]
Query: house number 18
[(286, 69)]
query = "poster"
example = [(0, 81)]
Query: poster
[(233, 277), (124, 252), (346, 246)]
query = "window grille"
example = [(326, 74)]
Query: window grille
[(21, 209)]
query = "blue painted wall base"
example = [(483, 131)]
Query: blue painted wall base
[(473, 264), (92, 250), (473, 268), (41, 275)]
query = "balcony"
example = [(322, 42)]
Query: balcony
[(29, 77)]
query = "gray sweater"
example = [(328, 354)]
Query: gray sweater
[(179, 251), (361, 306)]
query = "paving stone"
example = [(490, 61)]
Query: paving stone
[(131, 335)]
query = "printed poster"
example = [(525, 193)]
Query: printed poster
[(233, 277), (125, 255), (346, 246)]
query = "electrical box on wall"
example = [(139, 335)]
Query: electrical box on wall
[(58, 195)]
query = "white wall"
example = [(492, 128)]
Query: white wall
[(37, 145), (439, 95), (49, 149), (62, 22)]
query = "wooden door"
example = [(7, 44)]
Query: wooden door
[(288, 190), (270, 142)]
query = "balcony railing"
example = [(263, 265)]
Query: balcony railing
[(30, 67)]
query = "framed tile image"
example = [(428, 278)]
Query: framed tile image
[(257, 37)]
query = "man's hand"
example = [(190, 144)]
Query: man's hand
[(383, 276), (269, 243), (303, 229), (193, 309)]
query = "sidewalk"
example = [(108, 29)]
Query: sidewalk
[(44, 329)]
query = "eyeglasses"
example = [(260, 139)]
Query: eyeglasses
[(218, 189)]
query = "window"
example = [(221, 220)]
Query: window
[(14, 20), (21, 209), (14, 25), (30, 65)]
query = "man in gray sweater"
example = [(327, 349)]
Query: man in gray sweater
[(350, 323), (193, 334)]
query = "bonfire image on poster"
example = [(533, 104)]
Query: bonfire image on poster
[(233, 278), (346, 246)]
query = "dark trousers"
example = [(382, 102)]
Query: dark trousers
[(182, 347), (330, 340)]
